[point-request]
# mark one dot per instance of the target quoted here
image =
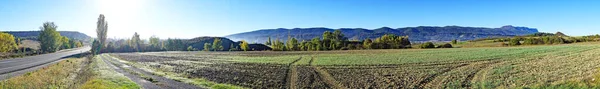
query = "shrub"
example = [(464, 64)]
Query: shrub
[(427, 45), (514, 42), (447, 45)]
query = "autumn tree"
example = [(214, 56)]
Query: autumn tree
[(244, 45), (7, 42)]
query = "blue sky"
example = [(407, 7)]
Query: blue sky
[(193, 18)]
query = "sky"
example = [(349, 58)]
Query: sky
[(194, 18)]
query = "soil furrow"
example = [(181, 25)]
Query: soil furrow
[(433, 76), (329, 79)]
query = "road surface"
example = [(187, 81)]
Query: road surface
[(17, 66)]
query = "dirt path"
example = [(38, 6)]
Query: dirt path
[(292, 74), (146, 79), (141, 82)]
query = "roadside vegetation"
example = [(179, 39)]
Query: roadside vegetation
[(79, 72), (57, 76), (105, 77)]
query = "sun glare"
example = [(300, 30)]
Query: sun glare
[(123, 14)]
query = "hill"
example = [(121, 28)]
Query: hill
[(416, 34), (32, 35), (199, 42)]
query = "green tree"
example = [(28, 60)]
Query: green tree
[(529, 41), (207, 46), (49, 38), (278, 45), (514, 41), (154, 43), (64, 42), (96, 47), (136, 42), (190, 48), (338, 39), (244, 45), (7, 42), (367, 43), (101, 31), (268, 41), (292, 44), (316, 44), (79, 44), (302, 46), (427, 45), (73, 43), (217, 45)]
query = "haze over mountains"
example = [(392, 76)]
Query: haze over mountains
[(416, 34)]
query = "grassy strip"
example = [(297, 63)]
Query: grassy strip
[(183, 78), (107, 78), (402, 56), (55, 76)]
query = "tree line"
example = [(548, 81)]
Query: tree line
[(337, 41), (546, 39), (329, 41)]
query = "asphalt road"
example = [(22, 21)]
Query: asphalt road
[(17, 66)]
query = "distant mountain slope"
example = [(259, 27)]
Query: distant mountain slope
[(417, 34), (32, 35)]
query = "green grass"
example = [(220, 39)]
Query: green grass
[(107, 78), (402, 56)]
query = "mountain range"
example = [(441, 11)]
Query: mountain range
[(415, 34)]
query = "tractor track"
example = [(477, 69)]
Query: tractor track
[(292, 75), (433, 76)]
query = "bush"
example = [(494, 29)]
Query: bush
[(427, 45), (447, 45), (514, 42)]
